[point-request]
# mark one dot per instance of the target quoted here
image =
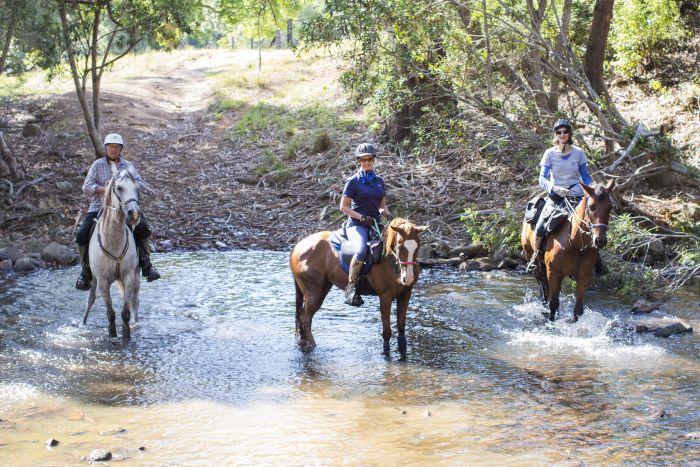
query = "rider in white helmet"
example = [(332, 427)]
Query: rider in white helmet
[(98, 176)]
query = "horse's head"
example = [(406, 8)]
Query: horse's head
[(402, 240), (122, 192), (597, 212)]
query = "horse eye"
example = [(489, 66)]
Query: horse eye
[(119, 188)]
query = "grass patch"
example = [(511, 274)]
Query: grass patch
[(273, 168)]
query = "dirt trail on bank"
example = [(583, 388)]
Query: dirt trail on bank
[(161, 104)]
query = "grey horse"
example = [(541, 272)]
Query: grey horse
[(113, 256)]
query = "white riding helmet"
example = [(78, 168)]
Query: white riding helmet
[(113, 138)]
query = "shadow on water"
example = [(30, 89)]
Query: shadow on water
[(478, 341)]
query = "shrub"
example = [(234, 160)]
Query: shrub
[(642, 31)]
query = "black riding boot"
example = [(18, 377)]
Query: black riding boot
[(537, 256), (147, 269), (83, 282), (352, 296)]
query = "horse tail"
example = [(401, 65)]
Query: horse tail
[(299, 305)]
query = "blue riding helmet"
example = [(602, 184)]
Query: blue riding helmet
[(562, 123), (366, 149)]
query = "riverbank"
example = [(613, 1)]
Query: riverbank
[(254, 158)]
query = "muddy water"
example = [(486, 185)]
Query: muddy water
[(212, 375)]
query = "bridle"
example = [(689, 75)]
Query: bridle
[(117, 259), (585, 221), (130, 200)]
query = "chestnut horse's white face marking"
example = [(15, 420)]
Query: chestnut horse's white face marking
[(407, 276)]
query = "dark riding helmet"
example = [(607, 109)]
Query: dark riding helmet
[(366, 149), (562, 123)]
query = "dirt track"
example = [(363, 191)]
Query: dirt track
[(163, 112)]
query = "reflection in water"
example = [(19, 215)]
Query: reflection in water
[(212, 375)]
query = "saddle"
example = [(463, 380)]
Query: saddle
[(375, 246)]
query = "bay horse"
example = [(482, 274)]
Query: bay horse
[(572, 250), (316, 269), (112, 251)]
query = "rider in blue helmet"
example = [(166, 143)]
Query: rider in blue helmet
[(363, 200)]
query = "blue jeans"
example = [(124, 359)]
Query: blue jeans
[(358, 236)]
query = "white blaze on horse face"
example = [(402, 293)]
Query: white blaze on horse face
[(407, 270)]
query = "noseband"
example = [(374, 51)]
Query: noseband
[(130, 200)]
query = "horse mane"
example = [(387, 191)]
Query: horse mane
[(390, 235), (107, 195)]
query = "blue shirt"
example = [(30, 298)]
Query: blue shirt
[(366, 190)]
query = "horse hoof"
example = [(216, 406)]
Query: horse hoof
[(401, 340), (386, 347)]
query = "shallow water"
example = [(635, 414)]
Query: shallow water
[(212, 374)]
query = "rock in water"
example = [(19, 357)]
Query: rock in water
[(675, 328), (100, 455)]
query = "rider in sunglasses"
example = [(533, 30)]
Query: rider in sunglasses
[(363, 200), (561, 168)]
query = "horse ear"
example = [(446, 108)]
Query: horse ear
[(393, 227), (587, 189), (611, 184)]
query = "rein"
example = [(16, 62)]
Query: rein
[(394, 252), (116, 259), (109, 255)]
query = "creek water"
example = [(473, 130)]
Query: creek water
[(212, 375)]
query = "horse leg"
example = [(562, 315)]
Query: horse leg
[(385, 309), (544, 286), (554, 283), (135, 287), (111, 316), (126, 316), (581, 287), (312, 302), (401, 309), (91, 299)]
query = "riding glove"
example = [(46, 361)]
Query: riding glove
[(561, 191)]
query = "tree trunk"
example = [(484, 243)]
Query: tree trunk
[(597, 42), (560, 47), (93, 131), (8, 38), (532, 66), (8, 163), (95, 74)]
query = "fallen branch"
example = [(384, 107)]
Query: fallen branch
[(639, 132), (32, 183)]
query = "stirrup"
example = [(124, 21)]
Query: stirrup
[(535, 261)]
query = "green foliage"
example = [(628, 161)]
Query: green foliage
[(495, 230), (273, 167), (642, 31)]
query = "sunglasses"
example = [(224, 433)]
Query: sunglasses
[(366, 159), (562, 132)]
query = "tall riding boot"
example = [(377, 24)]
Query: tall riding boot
[(85, 278), (147, 269), (537, 256), (352, 297)]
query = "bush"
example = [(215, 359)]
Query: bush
[(496, 230), (642, 31)]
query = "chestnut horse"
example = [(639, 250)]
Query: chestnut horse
[(572, 250), (316, 268)]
